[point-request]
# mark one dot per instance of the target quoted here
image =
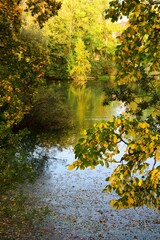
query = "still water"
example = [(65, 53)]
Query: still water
[(86, 105)]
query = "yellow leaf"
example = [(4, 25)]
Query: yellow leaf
[(126, 48), (8, 98), (10, 89), (126, 172), (158, 155), (133, 146), (121, 176), (84, 132), (115, 139), (119, 121), (132, 193), (112, 120), (71, 167), (112, 202), (118, 168), (140, 182), (130, 200), (92, 167), (105, 145)]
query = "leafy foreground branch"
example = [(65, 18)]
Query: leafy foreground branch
[(128, 144)]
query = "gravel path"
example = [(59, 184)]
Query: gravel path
[(81, 211)]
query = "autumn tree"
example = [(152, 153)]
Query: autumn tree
[(79, 64), (80, 20), (131, 141), (22, 63)]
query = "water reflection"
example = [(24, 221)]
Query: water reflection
[(86, 102), (86, 105)]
